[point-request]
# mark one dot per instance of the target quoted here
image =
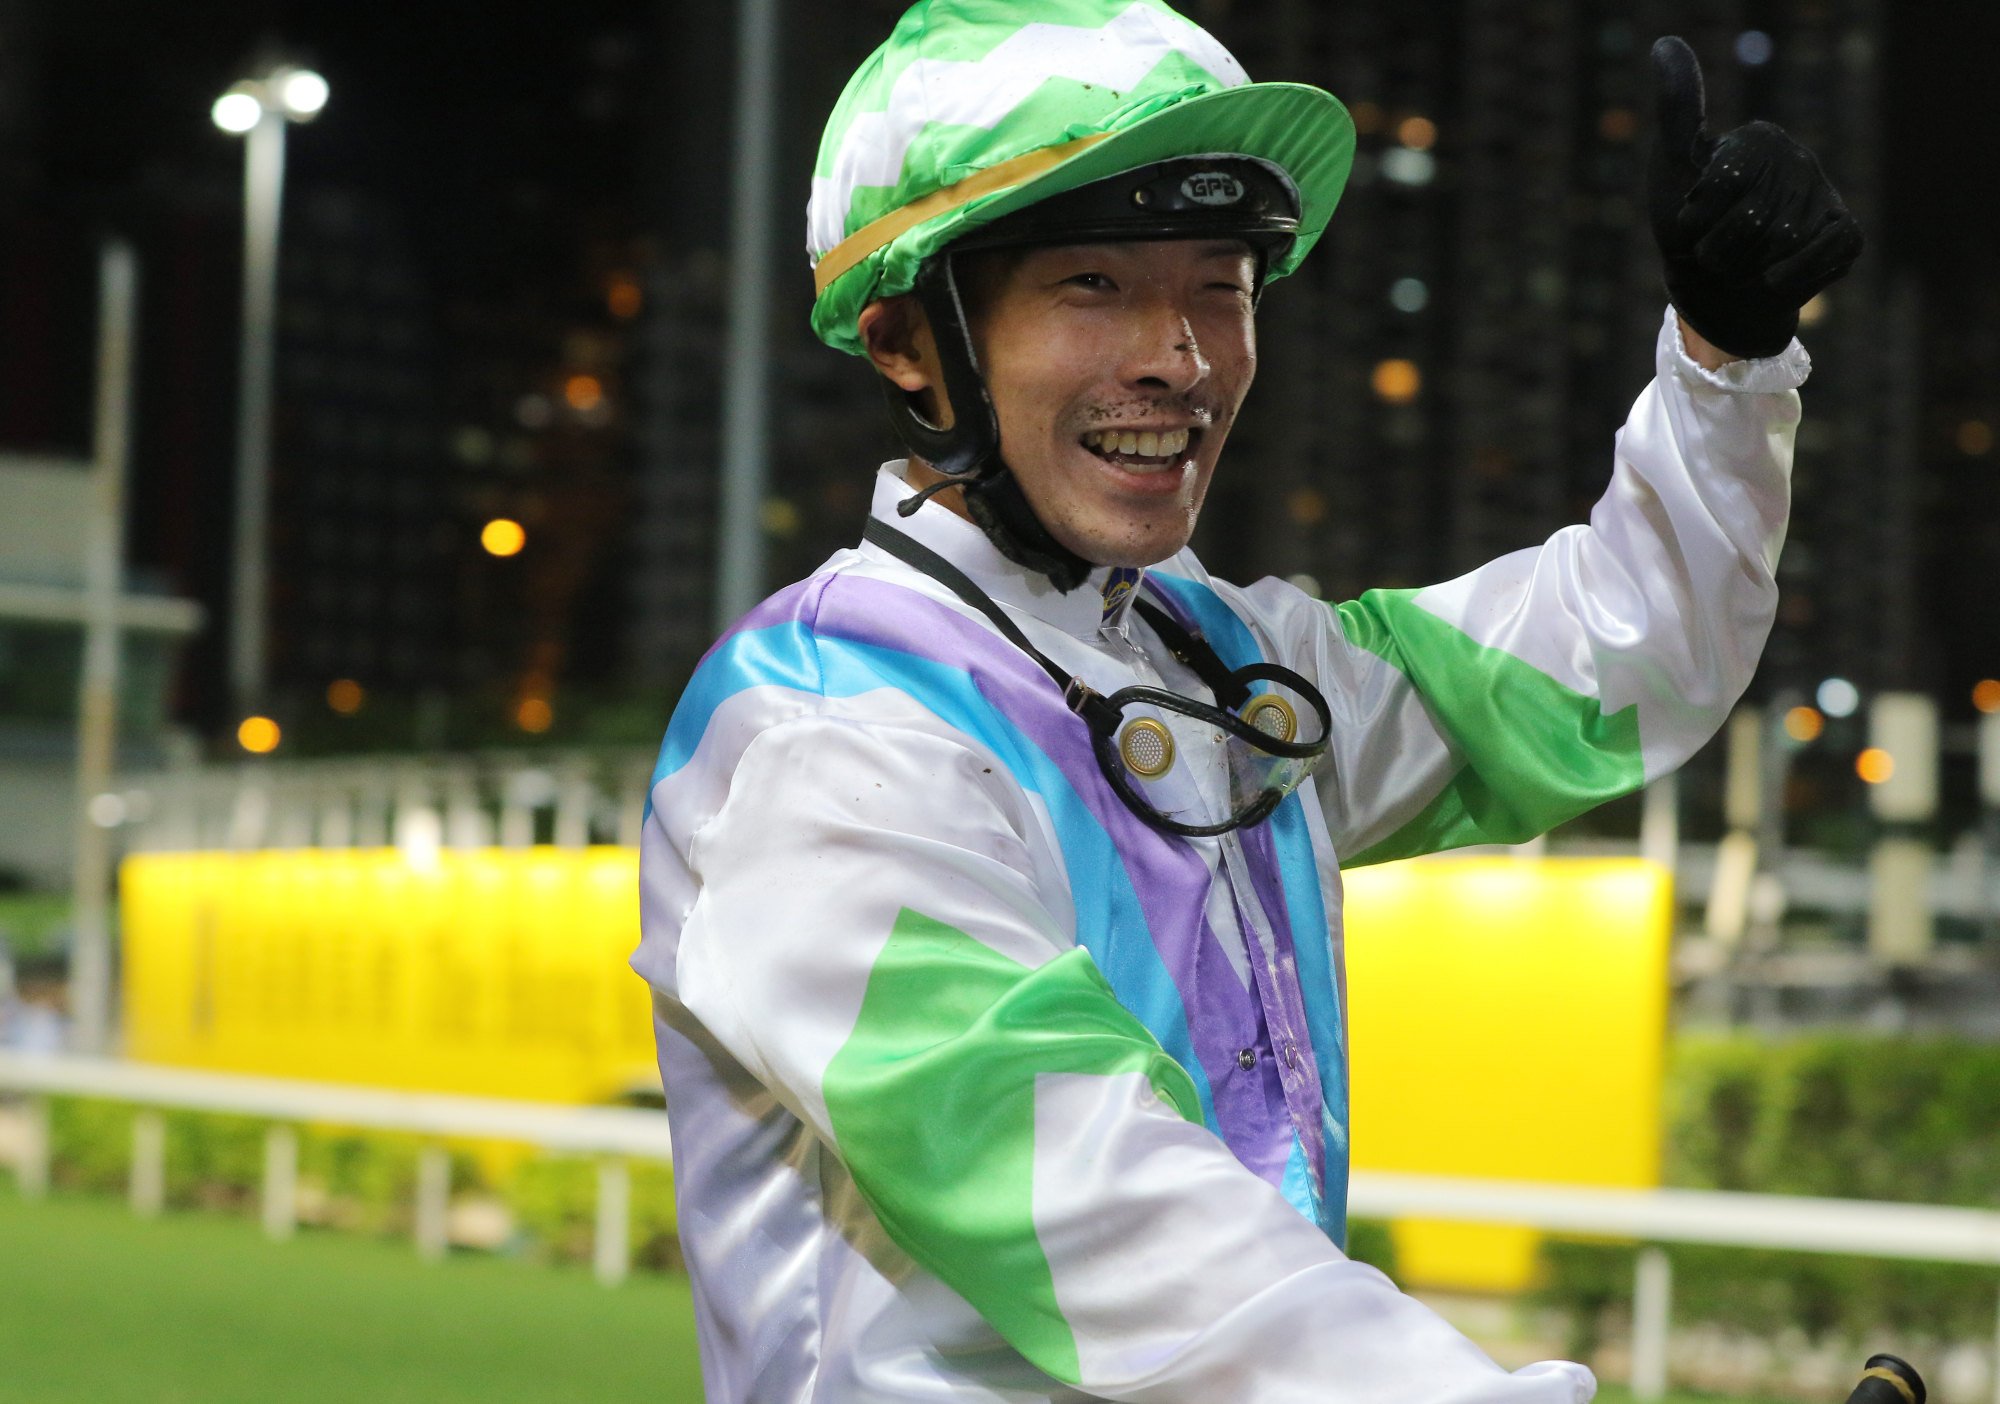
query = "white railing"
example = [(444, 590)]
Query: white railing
[(615, 1134), (1922, 1232), (503, 798), (1868, 1228)]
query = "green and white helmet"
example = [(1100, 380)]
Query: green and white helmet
[(976, 109)]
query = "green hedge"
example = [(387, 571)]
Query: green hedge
[(362, 1181), (1846, 1116)]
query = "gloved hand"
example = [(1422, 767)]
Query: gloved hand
[(1749, 226)]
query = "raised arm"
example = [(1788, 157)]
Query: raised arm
[(1496, 706), (871, 940)]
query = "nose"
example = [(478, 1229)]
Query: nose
[(1163, 352)]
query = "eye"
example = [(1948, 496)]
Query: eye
[(1094, 282)]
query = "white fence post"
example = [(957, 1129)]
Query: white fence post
[(1660, 822), (1996, 1360), (281, 1181), (614, 1221), (1652, 1313), (576, 797), (433, 1201), (149, 1163), (32, 1175)]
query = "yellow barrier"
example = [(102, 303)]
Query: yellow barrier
[(491, 971), (1509, 1021), (1508, 1016)]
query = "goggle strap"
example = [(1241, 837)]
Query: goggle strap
[(1085, 701), (1194, 653)]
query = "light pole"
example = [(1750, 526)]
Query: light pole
[(258, 110), (739, 566)]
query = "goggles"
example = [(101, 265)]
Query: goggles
[(1268, 748)]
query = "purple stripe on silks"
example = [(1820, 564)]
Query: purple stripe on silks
[(786, 606), (1302, 1090), (1168, 877), (1284, 1001), (1256, 1095)]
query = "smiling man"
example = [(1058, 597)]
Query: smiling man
[(1115, 370), (991, 886)]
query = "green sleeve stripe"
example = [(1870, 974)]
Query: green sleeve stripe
[(932, 1103), (1536, 753)]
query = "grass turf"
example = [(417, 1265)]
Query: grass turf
[(98, 1306)]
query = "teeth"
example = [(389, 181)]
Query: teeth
[(1150, 443)]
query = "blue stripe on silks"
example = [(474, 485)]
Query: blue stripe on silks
[(1299, 874), (790, 655), (1297, 1186)]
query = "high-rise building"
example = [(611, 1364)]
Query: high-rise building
[(362, 522), (1441, 383)]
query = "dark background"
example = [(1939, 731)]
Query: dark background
[(501, 199)]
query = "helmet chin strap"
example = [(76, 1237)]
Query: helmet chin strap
[(967, 453)]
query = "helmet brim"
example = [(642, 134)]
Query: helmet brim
[(1300, 130)]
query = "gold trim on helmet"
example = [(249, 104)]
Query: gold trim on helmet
[(880, 233)]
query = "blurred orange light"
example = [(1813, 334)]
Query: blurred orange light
[(1975, 438), (1397, 381), (1874, 765), (1306, 506), (534, 714), (503, 536), (258, 735), (1618, 124), (1804, 723), (583, 392), (1986, 694), (345, 696), (1417, 133), (624, 297), (1367, 117)]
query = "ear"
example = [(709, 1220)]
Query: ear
[(898, 339)]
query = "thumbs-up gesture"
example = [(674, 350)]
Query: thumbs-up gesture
[(1748, 224)]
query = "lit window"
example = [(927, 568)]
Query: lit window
[(1838, 697), (534, 714), (258, 735), (1409, 295), (345, 696), (1407, 166), (624, 297), (503, 536), (1397, 381), (1754, 48), (1875, 765)]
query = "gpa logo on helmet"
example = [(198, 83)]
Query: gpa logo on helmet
[(1213, 188)]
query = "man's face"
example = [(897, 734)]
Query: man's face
[(1116, 371)]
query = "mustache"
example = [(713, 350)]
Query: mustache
[(1195, 408)]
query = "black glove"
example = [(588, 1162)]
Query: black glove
[(1749, 226)]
